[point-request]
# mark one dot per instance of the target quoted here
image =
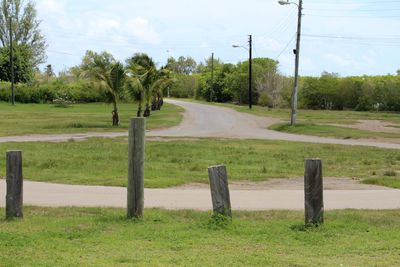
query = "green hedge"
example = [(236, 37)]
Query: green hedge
[(79, 92), (366, 93)]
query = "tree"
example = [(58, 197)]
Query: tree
[(398, 72), (24, 27), (182, 66), (164, 80), (24, 70), (109, 74), (136, 90), (146, 83), (142, 66)]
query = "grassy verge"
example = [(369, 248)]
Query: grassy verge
[(176, 162), (103, 237), (25, 119), (330, 131)]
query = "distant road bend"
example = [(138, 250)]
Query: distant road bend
[(202, 120)]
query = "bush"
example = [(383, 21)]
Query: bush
[(367, 93), (185, 86), (80, 92), (264, 100)]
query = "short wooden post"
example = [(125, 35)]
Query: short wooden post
[(14, 182), (220, 190), (313, 189), (136, 168)]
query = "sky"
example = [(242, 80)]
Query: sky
[(349, 37)]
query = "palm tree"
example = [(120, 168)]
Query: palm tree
[(110, 75), (163, 81), (143, 68), (136, 90)]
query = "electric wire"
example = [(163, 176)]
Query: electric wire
[(287, 45)]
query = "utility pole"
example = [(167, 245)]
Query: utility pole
[(293, 116), (212, 77), (11, 58), (250, 70)]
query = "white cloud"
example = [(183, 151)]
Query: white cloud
[(143, 30), (51, 6), (204, 45), (343, 60), (270, 44)]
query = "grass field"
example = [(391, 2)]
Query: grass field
[(175, 162), (313, 122), (25, 119), (103, 237)]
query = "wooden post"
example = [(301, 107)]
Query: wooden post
[(14, 182), (220, 190), (136, 168), (313, 189)]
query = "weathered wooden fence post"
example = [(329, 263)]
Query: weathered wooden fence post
[(220, 190), (14, 182), (136, 168), (313, 189)]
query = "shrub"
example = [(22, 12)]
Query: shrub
[(80, 92)]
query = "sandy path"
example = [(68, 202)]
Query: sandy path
[(212, 121), (55, 195)]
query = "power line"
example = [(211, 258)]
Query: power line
[(287, 45), (351, 16), (62, 53), (353, 10), (379, 38), (354, 2)]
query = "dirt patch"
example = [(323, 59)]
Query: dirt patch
[(373, 126), (330, 183)]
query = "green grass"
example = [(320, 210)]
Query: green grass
[(25, 119), (330, 131), (176, 162), (390, 181), (103, 237)]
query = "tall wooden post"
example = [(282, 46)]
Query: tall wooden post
[(136, 168), (220, 190), (313, 189), (14, 182)]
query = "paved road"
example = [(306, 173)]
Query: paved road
[(212, 121), (55, 195)]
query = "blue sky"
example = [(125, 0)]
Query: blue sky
[(352, 37)]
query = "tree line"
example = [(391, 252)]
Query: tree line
[(229, 83)]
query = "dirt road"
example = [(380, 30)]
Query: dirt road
[(212, 121)]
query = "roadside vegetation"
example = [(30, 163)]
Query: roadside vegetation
[(104, 237), (172, 162)]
